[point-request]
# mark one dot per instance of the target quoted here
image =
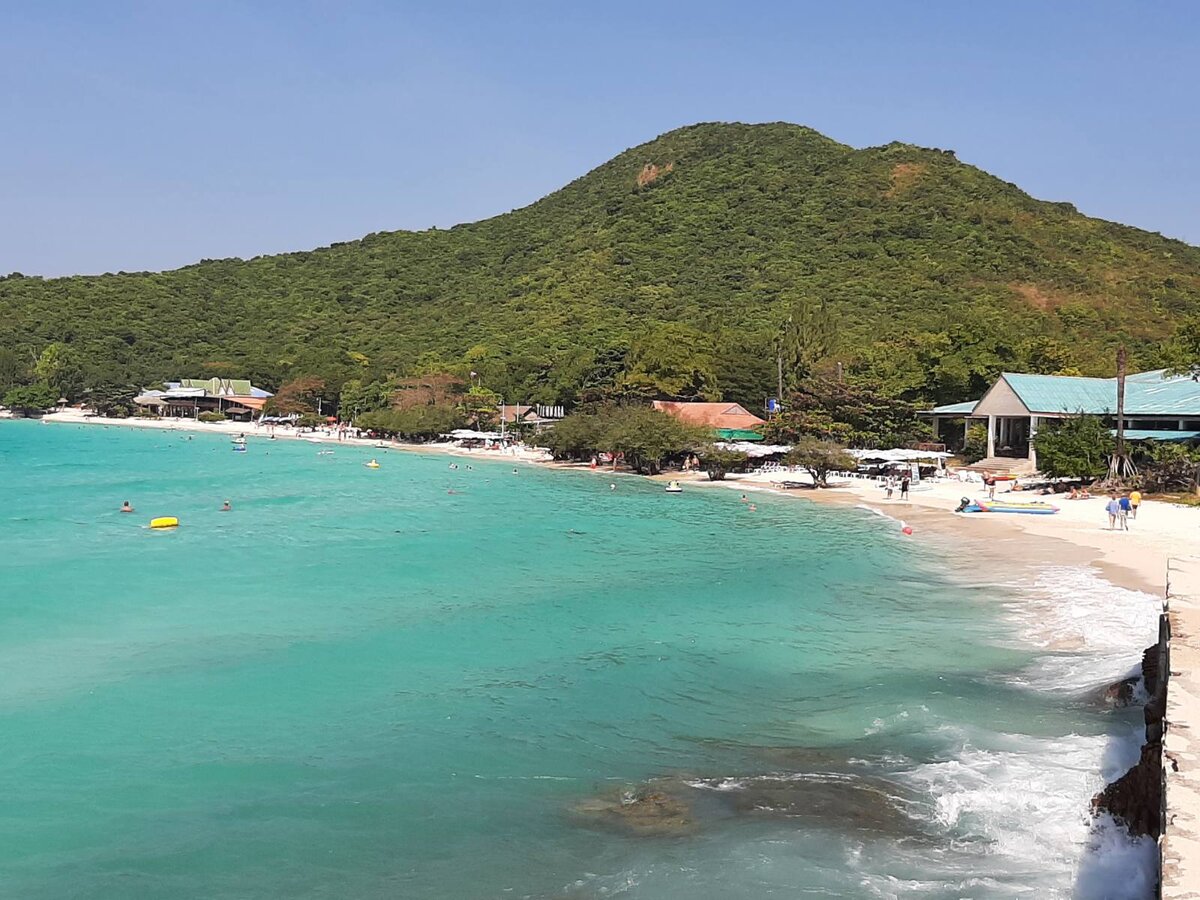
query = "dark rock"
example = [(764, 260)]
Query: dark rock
[(1136, 797), (1119, 693)]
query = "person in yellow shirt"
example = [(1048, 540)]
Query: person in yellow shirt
[(1135, 500)]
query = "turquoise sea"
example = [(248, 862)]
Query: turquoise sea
[(360, 685)]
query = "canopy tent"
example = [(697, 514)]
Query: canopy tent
[(754, 451), (738, 434), (899, 455)]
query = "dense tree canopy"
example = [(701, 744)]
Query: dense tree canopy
[(641, 435), (923, 277), (848, 414)]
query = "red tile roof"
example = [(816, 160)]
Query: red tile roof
[(711, 415)]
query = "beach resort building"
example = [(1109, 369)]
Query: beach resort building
[(536, 417), (730, 421), (1158, 407), (236, 398)]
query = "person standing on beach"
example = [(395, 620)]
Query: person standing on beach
[(904, 483), (1135, 500), (1113, 507), (1126, 507)]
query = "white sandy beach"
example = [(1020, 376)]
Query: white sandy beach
[(320, 435)]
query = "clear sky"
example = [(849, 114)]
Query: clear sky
[(150, 135)]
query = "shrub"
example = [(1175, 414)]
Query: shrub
[(1078, 447), (211, 417), (31, 398)]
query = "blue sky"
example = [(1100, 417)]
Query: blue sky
[(150, 135)]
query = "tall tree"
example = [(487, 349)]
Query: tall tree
[(805, 337), (59, 367)]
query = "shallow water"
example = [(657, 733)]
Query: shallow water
[(357, 684)]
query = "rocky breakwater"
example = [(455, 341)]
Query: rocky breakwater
[(1136, 798)]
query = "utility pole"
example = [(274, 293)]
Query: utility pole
[(779, 364)]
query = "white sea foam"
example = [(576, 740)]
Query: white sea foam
[(1092, 631), (1018, 801)]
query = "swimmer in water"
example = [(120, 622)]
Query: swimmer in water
[(613, 486), (226, 507), (753, 508), (454, 465), (514, 471), (125, 507), (744, 499)]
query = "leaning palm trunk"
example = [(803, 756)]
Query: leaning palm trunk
[(1120, 466)]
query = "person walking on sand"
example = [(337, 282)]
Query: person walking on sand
[(1135, 500), (1113, 508), (904, 482), (1126, 506)]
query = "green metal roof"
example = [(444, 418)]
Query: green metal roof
[(1142, 434), (955, 409), (1146, 394), (738, 434), (1064, 393)]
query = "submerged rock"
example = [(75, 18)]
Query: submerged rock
[(831, 799), (646, 811), (681, 805)]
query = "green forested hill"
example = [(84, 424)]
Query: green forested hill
[(675, 263)]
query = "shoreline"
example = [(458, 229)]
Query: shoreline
[(1136, 560)]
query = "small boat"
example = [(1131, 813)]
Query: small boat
[(239, 448), (1032, 508), (239, 440), (673, 487), (164, 522)]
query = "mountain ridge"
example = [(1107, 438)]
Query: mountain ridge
[(715, 229)]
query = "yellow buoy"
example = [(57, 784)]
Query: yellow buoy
[(164, 522)]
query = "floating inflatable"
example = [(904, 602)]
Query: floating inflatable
[(673, 487), (372, 465), (164, 522), (1035, 508)]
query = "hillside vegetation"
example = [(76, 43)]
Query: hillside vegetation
[(670, 271)]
